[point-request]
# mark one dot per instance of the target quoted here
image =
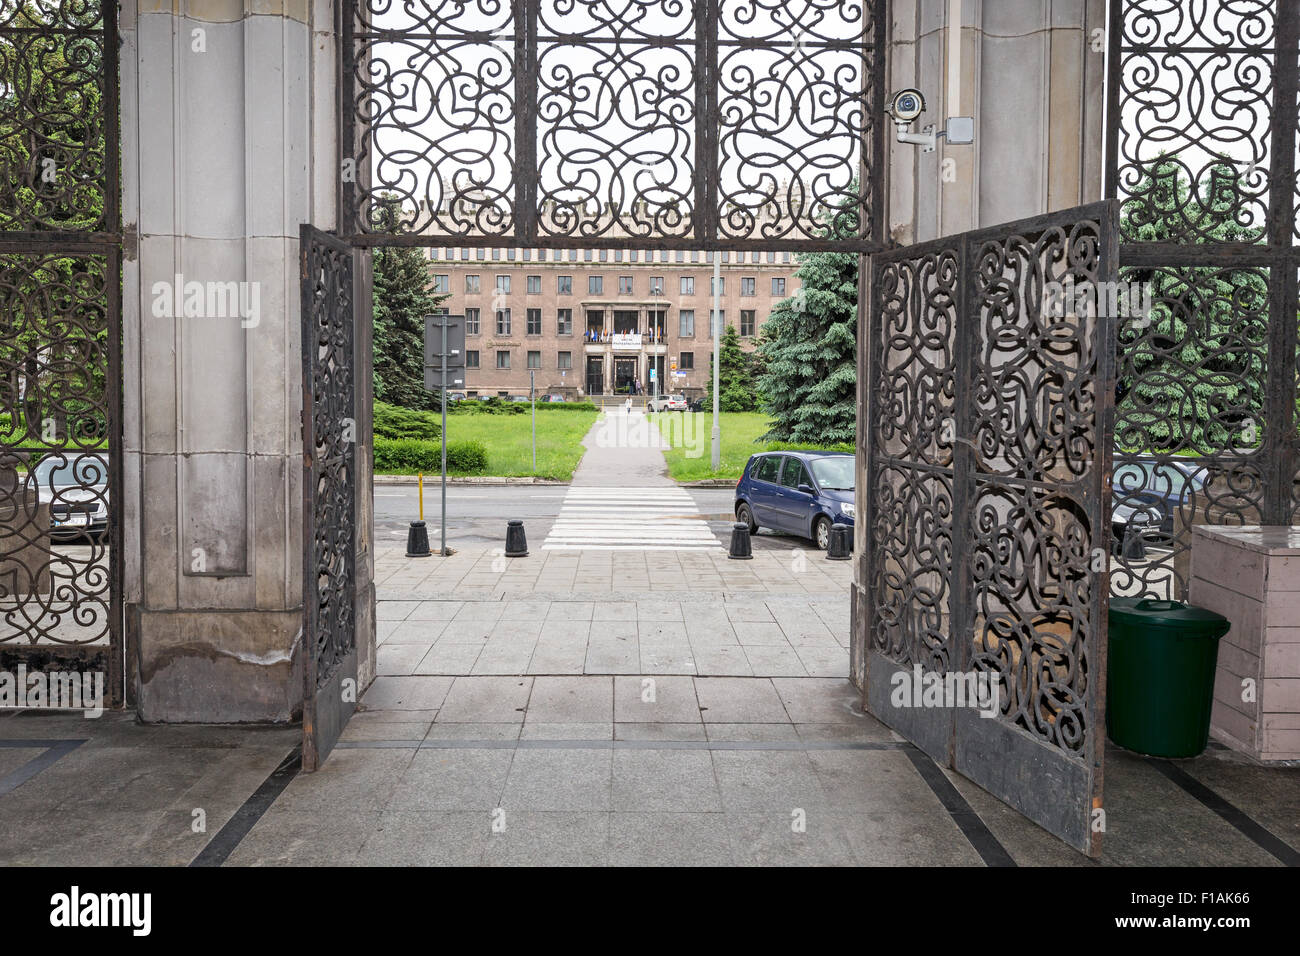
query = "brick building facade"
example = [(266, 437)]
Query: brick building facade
[(592, 322)]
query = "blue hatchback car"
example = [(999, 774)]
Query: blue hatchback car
[(801, 492)]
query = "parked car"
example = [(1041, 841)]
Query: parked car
[(667, 403), (1145, 494), (800, 492), (518, 398), (553, 399), (455, 396), (74, 487)]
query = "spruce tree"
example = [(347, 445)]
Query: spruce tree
[(809, 382), (735, 376), (402, 300)]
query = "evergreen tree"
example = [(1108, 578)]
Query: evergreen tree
[(1193, 378), (809, 351), (735, 377), (402, 300)]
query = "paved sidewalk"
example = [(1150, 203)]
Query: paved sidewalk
[(613, 613)]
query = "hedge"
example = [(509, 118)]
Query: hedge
[(410, 456), (393, 421)]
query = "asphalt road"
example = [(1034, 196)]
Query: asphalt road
[(477, 514)]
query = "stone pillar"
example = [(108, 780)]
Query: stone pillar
[(1031, 76), (228, 144)]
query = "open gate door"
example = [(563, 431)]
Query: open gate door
[(329, 494), (991, 380)]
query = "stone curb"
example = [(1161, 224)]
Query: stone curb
[(389, 480)]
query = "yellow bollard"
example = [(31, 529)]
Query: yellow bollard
[(421, 496)]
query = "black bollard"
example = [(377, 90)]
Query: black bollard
[(741, 548), (417, 541), (841, 541), (516, 542)]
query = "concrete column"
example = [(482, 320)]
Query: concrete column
[(229, 143), (1031, 75)]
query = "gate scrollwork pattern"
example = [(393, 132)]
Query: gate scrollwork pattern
[(738, 124)]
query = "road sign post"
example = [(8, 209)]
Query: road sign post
[(532, 396), (449, 366), (717, 335)]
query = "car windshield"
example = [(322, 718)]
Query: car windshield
[(833, 474), (63, 472)]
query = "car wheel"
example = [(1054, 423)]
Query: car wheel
[(743, 513), (822, 533)]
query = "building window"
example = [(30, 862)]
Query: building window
[(503, 283), (681, 255), (534, 359), (503, 321), (564, 322), (564, 360), (771, 258), (564, 285), (471, 322), (473, 285), (747, 321), (618, 255), (595, 285), (503, 358), (718, 286), (778, 287), (717, 322), (686, 323), (687, 361), (573, 255), (534, 285), (496, 255), (688, 285), (631, 256), (785, 257), (624, 285), (482, 254), (471, 358), (534, 321), (442, 283), (656, 285), (748, 285), (586, 255)]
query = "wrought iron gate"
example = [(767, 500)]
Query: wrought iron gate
[(329, 444), (60, 342), (589, 124), (1202, 156), (987, 507)]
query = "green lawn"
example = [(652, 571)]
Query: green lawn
[(508, 439), (690, 433)]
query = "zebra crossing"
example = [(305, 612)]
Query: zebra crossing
[(662, 518)]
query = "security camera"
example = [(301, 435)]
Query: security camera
[(905, 106)]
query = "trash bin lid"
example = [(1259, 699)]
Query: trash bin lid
[(1161, 613)]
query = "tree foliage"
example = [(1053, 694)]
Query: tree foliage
[(736, 376), (1193, 379), (402, 300), (53, 162), (809, 383)]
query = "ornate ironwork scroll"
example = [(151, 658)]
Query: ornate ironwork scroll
[(329, 491), (743, 124), (60, 340), (987, 516), (1202, 156)]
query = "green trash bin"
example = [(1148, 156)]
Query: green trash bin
[(1160, 675)]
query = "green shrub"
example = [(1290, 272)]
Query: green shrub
[(411, 456), (567, 406), (804, 446), (393, 421)]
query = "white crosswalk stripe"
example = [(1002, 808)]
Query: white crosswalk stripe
[(630, 519)]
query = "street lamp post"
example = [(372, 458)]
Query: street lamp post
[(716, 322)]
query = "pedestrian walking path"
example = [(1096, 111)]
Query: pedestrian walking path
[(621, 498), (630, 519)]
